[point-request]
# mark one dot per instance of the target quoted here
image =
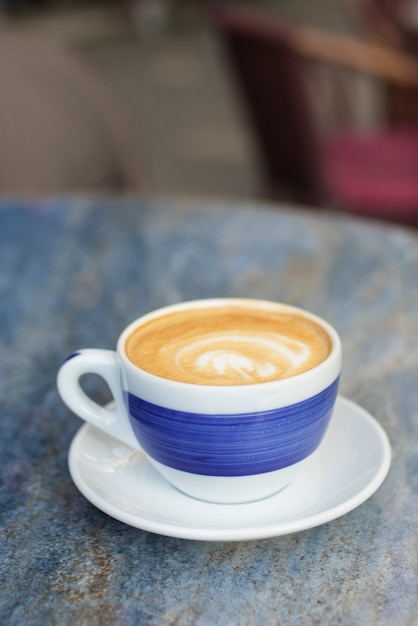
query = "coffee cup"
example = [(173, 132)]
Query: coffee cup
[(228, 398)]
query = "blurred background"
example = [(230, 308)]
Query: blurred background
[(165, 64), (155, 87)]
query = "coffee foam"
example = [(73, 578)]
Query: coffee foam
[(228, 345)]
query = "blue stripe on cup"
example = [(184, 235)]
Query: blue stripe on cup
[(71, 356), (232, 445)]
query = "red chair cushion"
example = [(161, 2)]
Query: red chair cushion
[(375, 174)]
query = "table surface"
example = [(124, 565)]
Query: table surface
[(73, 273)]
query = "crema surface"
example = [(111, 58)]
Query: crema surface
[(228, 345)]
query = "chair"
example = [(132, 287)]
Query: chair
[(385, 22), (373, 173), (62, 128), (379, 20)]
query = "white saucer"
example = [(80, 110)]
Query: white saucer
[(348, 467)]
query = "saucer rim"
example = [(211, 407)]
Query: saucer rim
[(252, 532)]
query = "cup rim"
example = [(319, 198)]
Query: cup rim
[(335, 352)]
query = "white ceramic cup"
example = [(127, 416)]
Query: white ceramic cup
[(225, 444)]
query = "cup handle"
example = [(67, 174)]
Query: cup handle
[(112, 420)]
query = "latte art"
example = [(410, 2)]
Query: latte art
[(239, 356), (228, 345)]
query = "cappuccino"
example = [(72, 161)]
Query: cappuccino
[(228, 345), (200, 417)]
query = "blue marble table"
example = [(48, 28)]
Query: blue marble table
[(73, 274)]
